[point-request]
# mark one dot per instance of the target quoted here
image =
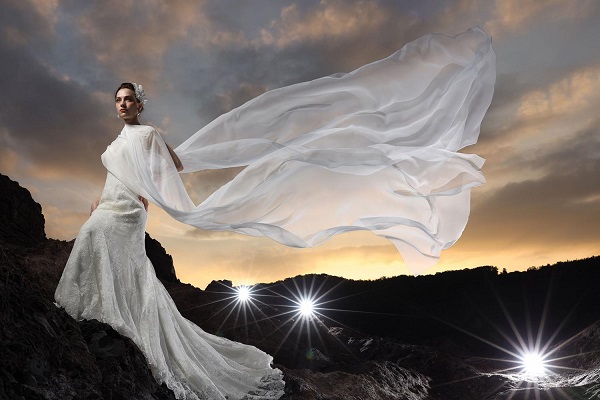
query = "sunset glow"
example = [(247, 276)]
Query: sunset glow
[(540, 137)]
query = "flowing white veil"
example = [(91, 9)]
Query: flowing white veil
[(374, 149)]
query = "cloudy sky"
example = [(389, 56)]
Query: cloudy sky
[(62, 60)]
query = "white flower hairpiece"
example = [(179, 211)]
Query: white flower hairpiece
[(139, 93)]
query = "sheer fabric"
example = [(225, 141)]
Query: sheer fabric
[(374, 149)]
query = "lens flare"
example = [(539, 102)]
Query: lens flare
[(533, 364), (307, 308), (243, 293)]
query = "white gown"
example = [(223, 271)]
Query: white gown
[(108, 277), (375, 149)]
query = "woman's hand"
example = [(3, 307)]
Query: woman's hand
[(94, 204), (176, 159), (144, 202)]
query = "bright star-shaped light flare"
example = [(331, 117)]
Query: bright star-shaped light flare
[(533, 364), (307, 308), (243, 293)]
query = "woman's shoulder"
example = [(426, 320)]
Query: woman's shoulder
[(144, 130), (146, 134)]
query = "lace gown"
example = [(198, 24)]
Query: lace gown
[(108, 277)]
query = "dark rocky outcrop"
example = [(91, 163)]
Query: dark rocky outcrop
[(21, 219), (380, 380), (162, 262), (46, 354)]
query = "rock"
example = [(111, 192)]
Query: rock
[(379, 380), (162, 262), (45, 263), (220, 286), (46, 354), (21, 219), (314, 360)]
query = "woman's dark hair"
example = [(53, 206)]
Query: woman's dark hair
[(127, 85)]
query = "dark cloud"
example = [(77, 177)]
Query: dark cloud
[(537, 213), (44, 115), (216, 79), (563, 206), (23, 22), (575, 157), (255, 14)]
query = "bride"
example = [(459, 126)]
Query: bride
[(375, 149), (108, 277)]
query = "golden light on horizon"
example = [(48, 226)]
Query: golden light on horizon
[(358, 255), (373, 263)]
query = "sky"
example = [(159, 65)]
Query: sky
[(61, 62)]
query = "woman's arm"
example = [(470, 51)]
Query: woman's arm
[(94, 204), (176, 159), (144, 202)]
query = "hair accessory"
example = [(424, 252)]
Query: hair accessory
[(139, 93)]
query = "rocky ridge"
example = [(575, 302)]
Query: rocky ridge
[(44, 353)]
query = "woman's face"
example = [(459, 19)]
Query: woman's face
[(127, 105)]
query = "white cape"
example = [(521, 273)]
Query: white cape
[(374, 149)]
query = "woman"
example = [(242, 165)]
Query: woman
[(109, 277), (375, 149)]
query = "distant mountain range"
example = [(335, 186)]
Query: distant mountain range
[(453, 335)]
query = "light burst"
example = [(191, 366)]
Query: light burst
[(533, 364), (532, 361), (243, 294), (307, 308)]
